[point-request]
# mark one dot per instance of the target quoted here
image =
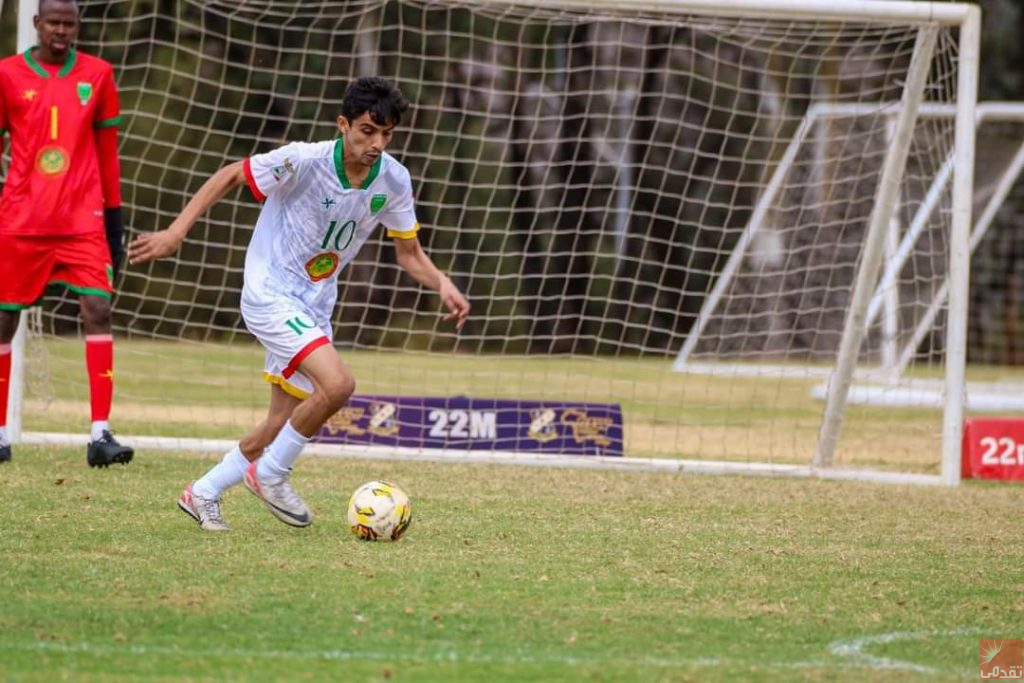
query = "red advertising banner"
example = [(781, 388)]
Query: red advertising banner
[(993, 448)]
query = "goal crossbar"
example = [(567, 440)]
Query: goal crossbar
[(881, 11)]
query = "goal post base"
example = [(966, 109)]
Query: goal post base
[(451, 456), (930, 395)]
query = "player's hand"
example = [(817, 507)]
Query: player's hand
[(457, 305), (153, 246)]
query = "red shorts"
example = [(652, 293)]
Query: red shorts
[(29, 264)]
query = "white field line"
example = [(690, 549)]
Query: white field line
[(515, 656), (849, 651), (853, 649)]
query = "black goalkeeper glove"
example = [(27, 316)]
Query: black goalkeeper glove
[(113, 221)]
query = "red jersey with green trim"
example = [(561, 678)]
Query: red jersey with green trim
[(51, 113)]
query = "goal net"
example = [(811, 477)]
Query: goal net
[(905, 319), (591, 174)]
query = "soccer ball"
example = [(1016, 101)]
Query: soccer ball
[(379, 511)]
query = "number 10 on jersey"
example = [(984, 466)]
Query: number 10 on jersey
[(346, 231)]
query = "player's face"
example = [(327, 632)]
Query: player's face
[(57, 27), (365, 139)]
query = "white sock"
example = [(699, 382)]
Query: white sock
[(3, 437), (98, 427), (222, 476), (277, 460)]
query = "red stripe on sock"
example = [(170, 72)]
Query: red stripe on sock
[(99, 361), (301, 355), (5, 382)]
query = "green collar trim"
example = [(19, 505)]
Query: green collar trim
[(69, 63), (339, 163), (339, 166)]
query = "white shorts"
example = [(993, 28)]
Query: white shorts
[(289, 333)]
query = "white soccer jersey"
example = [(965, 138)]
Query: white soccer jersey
[(313, 222)]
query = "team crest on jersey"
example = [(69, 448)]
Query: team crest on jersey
[(322, 266), (377, 202), (29, 95), (84, 92), (52, 160)]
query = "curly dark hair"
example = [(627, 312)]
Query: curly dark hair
[(376, 95)]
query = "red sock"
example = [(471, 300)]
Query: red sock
[(99, 361), (5, 381)]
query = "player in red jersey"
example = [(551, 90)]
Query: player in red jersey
[(60, 215)]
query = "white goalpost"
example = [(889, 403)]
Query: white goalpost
[(772, 193), (16, 389), (894, 355), (882, 372)]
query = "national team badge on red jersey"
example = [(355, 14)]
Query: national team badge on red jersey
[(84, 92), (52, 160)]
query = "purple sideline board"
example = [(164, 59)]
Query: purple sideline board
[(477, 424)]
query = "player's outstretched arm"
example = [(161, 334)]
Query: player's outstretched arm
[(414, 260), (157, 245)]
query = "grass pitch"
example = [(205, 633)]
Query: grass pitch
[(506, 574)]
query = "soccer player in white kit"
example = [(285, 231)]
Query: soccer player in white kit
[(321, 202)]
